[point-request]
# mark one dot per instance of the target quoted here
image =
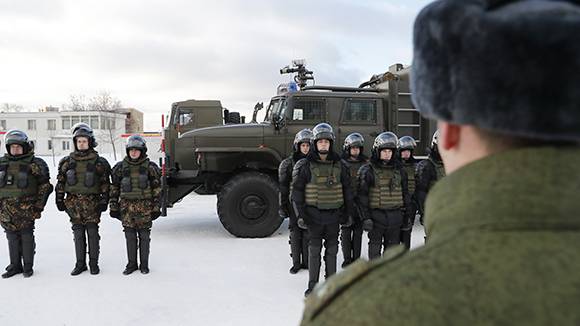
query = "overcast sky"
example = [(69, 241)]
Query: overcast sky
[(149, 54)]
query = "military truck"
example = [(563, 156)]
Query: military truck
[(239, 162)]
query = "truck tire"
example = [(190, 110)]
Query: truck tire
[(234, 117), (248, 205)]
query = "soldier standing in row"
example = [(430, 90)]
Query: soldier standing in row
[(82, 190), (298, 236), (406, 147), (321, 191), (428, 172), (383, 195), (135, 200), (351, 232), (24, 190)]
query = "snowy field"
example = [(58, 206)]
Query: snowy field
[(200, 275)]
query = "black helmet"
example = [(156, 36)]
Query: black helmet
[(17, 137), (136, 142), (435, 139), (385, 140), (303, 136), (353, 140), (322, 131), (82, 129), (407, 143)]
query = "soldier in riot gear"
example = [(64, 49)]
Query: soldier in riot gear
[(383, 195), (135, 200), (82, 190), (321, 196), (406, 147), (428, 172), (298, 235), (24, 190), (351, 232)]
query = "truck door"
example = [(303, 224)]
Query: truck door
[(362, 116), (303, 112)]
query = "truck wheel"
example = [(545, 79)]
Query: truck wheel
[(234, 117), (248, 205)]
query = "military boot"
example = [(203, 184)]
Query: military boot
[(330, 260), (346, 245), (94, 247), (131, 239), (313, 268), (80, 241), (28, 247), (14, 251), (295, 249), (144, 245)]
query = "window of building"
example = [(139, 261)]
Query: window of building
[(49, 144), (94, 122), (2, 124), (31, 124), (308, 109), (65, 145), (360, 111), (51, 124), (74, 120), (66, 122), (85, 119)]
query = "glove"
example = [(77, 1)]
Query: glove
[(368, 225), (60, 205), (155, 215), (302, 224), (103, 204), (115, 214)]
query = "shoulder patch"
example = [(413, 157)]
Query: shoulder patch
[(326, 292)]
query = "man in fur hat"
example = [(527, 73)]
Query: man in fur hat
[(502, 78)]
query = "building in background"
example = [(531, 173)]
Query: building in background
[(50, 129)]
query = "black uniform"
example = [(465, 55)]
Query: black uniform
[(383, 197), (351, 233), (298, 236), (409, 165), (322, 221), (428, 172)]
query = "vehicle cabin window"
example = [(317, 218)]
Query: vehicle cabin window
[(185, 118), (360, 111), (308, 110)]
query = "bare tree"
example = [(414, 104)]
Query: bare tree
[(9, 107), (78, 103), (105, 103)]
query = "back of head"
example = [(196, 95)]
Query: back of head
[(509, 68)]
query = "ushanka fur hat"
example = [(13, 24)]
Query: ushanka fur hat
[(512, 67)]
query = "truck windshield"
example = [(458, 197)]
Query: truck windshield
[(275, 110)]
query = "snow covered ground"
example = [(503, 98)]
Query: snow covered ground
[(200, 275)]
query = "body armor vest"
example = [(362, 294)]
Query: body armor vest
[(386, 193), (135, 182), (439, 169), (81, 177), (324, 190), (410, 169), (16, 179)]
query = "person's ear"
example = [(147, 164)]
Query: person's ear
[(449, 135)]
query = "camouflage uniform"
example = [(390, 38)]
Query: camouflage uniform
[(135, 200), (84, 201), (24, 190)]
